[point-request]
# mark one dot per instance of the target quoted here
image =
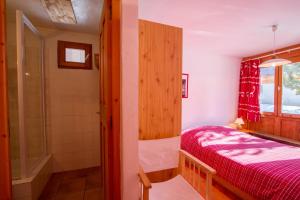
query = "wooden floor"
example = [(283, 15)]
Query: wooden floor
[(81, 184)]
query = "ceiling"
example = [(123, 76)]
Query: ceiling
[(231, 27), (87, 14)]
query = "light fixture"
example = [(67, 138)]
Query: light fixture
[(275, 61), (239, 122), (60, 11)]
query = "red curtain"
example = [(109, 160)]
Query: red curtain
[(248, 107)]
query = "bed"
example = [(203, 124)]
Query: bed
[(262, 168)]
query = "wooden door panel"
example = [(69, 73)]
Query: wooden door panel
[(160, 72)]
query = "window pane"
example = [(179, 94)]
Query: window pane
[(291, 88), (75, 55), (267, 79)]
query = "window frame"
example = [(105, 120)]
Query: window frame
[(294, 60), (61, 55), (275, 96), (278, 93)]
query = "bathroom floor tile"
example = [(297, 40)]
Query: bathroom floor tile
[(93, 195), (83, 184), (70, 196), (71, 185), (75, 174), (51, 188), (93, 181)]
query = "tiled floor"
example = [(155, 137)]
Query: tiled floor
[(81, 184)]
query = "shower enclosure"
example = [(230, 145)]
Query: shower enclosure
[(26, 97)]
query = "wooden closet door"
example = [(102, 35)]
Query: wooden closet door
[(160, 80), (110, 100)]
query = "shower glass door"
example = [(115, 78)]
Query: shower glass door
[(33, 97), (31, 110)]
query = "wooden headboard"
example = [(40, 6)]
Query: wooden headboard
[(160, 72)]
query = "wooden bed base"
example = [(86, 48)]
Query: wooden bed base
[(220, 189), (208, 184), (230, 190), (189, 168)]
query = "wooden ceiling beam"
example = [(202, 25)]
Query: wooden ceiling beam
[(268, 55)]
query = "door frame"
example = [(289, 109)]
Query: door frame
[(114, 7), (112, 169), (5, 169), (116, 97)]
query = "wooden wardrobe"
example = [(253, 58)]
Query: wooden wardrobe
[(160, 80)]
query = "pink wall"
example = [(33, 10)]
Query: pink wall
[(129, 36), (213, 85)]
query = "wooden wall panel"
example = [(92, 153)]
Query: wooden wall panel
[(286, 55), (5, 176), (286, 127), (266, 125), (160, 70), (290, 129)]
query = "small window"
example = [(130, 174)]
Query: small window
[(74, 55), (267, 89), (291, 88)]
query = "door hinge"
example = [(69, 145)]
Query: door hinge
[(110, 12), (111, 122)]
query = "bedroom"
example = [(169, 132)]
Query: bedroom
[(220, 41), (202, 46)]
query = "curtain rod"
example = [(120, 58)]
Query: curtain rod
[(271, 54)]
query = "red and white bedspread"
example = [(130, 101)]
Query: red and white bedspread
[(264, 169)]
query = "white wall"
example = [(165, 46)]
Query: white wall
[(213, 85), (72, 100), (129, 60)]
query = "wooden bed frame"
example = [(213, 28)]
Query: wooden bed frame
[(229, 190), (221, 187), (162, 175), (190, 168)]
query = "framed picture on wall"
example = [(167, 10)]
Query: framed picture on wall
[(185, 85)]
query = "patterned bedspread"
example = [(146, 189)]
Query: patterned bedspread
[(263, 168)]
